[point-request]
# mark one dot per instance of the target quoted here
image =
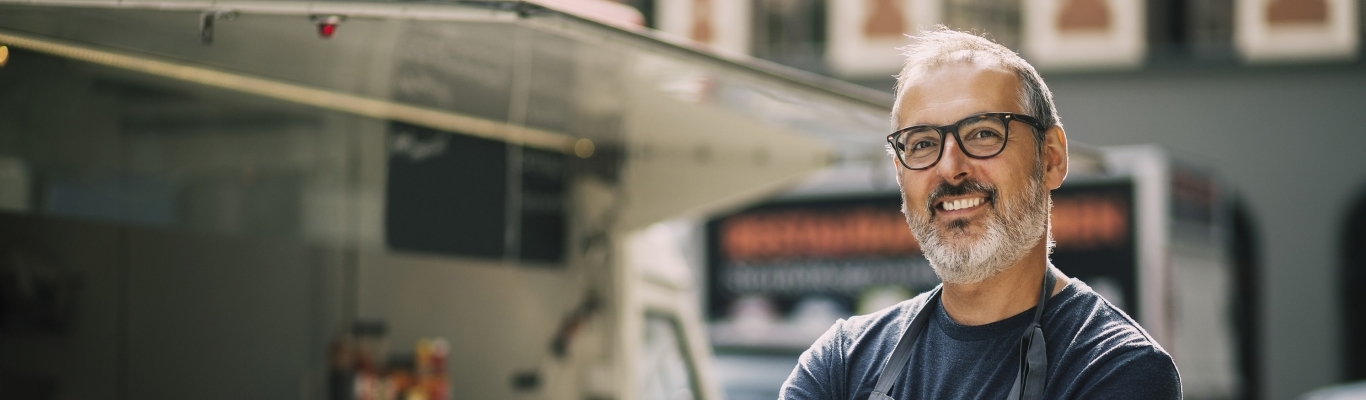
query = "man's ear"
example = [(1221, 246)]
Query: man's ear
[(896, 168), (1054, 156)]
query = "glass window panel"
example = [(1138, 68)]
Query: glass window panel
[(664, 369)]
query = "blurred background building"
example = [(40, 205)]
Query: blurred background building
[(1212, 81), (635, 199)]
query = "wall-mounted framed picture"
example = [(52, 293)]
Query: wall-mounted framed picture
[(722, 25), (862, 35), (1084, 34), (1296, 30)]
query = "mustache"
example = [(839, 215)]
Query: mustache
[(969, 186)]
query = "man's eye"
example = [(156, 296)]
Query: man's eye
[(984, 134), (923, 144)]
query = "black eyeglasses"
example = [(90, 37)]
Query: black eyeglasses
[(919, 147)]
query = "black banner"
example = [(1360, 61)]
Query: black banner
[(448, 194)]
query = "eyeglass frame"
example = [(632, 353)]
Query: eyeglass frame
[(1006, 117)]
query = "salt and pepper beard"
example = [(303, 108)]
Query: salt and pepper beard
[(1013, 226)]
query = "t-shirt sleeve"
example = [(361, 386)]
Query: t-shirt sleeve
[(819, 370), (1141, 374)]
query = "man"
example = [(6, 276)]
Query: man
[(977, 147)]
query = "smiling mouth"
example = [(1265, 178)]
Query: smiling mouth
[(961, 204)]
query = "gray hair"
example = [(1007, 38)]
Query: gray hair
[(941, 45)]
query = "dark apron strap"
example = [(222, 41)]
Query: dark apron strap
[(1034, 351), (902, 353)]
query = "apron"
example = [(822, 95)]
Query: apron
[(1033, 356)]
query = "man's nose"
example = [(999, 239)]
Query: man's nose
[(953, 163)]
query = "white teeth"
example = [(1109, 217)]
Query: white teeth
[(962, 203)]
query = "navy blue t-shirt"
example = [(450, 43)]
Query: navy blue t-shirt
[(1095, 351)]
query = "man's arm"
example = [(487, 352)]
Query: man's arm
[(819, 372), (1142, 374)]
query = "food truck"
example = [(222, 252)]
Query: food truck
[(349, 200), (481, 200)]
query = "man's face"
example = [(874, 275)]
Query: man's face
[(973, 217)]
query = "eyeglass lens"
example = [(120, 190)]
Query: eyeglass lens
[(981, 136)]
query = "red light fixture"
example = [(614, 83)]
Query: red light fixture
[(327, 24), (326, 30)]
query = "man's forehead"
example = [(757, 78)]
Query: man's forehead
[(947, 92)]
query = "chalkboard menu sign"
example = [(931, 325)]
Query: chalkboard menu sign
[(448, 194)]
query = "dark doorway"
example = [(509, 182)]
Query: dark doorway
[(1353, 297), (1247, 267)]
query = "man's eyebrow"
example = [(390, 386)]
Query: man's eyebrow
[(954, 121)]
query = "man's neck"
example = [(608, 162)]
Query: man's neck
[(1003, 295)]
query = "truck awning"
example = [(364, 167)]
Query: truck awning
[(680, 128)]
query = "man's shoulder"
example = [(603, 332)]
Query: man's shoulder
[(1094, 322), (860, 339), (1104, 350), (850, 352)]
